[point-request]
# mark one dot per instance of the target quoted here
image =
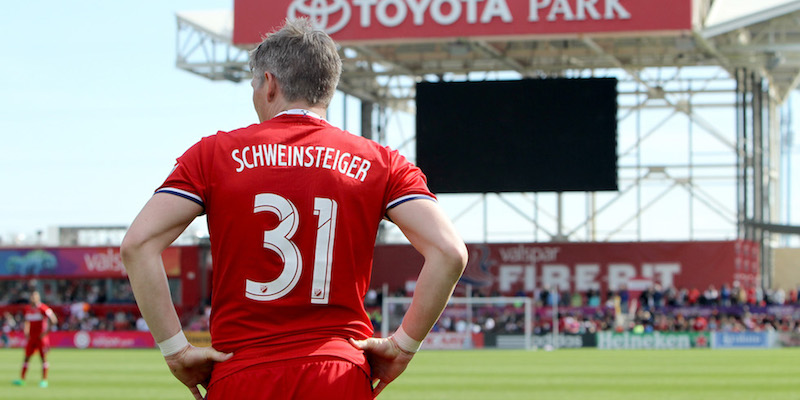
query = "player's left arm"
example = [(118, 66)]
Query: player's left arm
[(433, 235), (159, 223), (51, 315)]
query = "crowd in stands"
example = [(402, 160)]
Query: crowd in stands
[(731, 308), (85, 304), (108, 304)]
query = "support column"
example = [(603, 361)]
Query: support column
[(754, 165), (742, 156), (366, 118)]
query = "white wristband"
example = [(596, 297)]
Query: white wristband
[(173, 344), (405, 342)]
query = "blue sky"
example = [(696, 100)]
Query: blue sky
[(94, 112)]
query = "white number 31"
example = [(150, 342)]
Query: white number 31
[(279, 240)]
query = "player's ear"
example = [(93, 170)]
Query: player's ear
[(272, 86)]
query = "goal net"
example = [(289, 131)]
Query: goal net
[(470, 322)]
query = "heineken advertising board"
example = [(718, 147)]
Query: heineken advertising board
[(652, 341)]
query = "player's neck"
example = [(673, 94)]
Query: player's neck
[(274, 108), (321, 111)]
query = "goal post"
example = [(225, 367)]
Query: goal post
[(394, 308)]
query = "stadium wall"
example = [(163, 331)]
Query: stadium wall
[(93, 340), (519, 268)]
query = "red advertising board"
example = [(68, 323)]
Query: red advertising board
[(453, 341), (180, 262), (79, 262), (92, 339), (372, 20), (511, 268)]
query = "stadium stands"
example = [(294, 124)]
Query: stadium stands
[(108, 305)]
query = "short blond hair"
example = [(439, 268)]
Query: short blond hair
[(303, 59)]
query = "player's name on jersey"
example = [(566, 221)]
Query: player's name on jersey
[(281, 155)]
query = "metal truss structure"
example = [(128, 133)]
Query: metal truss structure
[(699, 120)]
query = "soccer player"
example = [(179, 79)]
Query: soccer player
[(293, 207), (36, 329)]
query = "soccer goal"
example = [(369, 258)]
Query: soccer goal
[(470, 322)]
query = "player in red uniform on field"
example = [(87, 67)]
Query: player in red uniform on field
[(36, 328), (293, 207)]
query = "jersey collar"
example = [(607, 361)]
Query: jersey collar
[(300, 111)]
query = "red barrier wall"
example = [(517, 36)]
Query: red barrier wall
[(93, 340), (511, 268)]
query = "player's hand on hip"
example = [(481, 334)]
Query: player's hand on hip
[(193, 365), (386, 360)]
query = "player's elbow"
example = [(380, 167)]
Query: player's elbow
[(463, 257), (128, 248), (131, 249), (454, 256)]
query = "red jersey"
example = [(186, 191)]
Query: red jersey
[(293, 210), (37, 319)]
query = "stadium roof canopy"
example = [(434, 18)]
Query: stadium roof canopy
[(761, 36), (719, 66)]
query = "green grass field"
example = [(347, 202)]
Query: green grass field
[(462, 375)]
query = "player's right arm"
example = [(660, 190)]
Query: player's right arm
[(433, 235), (159, 223)]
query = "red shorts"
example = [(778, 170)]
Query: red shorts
[(34, 344), (309, 378)]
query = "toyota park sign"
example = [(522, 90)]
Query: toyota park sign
[(404, 20)]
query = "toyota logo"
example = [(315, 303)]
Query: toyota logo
[(320, 13)]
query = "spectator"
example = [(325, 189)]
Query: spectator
[(544, 295), (694, 297), (646, 299), (371, 299), (624, 296), (564, 298), (725, 295), (593, 298), (779, 297), (752, 296), (658, 296), (683, 297), (141, 325), (710, 296), (671, 297), (699, 324), (576, 300)]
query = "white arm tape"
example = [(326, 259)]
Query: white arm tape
[(173, 344), (405, 342)]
